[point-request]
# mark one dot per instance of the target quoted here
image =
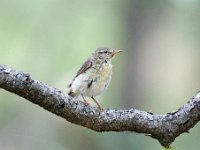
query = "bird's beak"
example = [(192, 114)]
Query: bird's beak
[(115, 52)]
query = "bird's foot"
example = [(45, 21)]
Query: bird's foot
[(100, 108), (86, 103)]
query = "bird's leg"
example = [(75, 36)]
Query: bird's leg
[(86, 103), (99, 107)]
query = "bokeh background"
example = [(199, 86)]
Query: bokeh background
[(158, 70)]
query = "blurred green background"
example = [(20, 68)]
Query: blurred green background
[(158, 70)]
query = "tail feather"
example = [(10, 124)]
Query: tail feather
[(71, 93), (69, 85)]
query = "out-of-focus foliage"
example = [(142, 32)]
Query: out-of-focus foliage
[(158, 70)]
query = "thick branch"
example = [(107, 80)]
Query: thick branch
[(165, 128)]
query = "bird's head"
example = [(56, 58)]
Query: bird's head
[(105, 54)]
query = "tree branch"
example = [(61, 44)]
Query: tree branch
[(165, 128)]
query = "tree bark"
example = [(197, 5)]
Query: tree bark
[(165, 128)]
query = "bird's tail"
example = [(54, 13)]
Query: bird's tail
[(71, 93)]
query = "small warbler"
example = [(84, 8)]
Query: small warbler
[(94, 76)]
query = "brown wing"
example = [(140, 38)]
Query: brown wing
[(84, 67)]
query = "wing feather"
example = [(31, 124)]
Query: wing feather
[(84, 67)]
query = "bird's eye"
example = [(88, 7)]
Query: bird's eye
[(103, 52)]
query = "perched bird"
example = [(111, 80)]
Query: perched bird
[(94, 76)]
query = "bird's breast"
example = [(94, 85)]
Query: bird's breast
[(105, 72), (101, 79)]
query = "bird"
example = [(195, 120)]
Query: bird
[(94, 76)]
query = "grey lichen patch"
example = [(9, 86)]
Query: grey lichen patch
[(197, 96)]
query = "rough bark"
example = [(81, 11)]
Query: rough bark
[(165, 128)]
